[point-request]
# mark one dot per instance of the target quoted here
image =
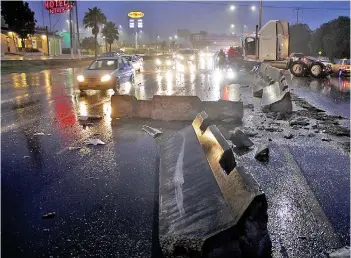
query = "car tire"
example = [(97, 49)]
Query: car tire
[(316, 70), (298, 69)]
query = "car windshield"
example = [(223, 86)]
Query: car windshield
[(104, 64)]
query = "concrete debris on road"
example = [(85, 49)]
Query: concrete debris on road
[(301, 122), (74, 148), (240, 140), (95, 142), (49, 215), (341, 253), (89, 118), (273, 129), (26, 157), (326, 139), (288, 136), (262, 153), (151, 131), (42, 134)]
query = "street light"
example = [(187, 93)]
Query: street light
[(175, 36), (170, 38), (232, 26), (232, 7), (253, 8)]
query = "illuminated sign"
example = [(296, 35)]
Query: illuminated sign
[(140, 23), (136, 15), (131, 23), (58, 6)]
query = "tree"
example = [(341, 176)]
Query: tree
[(88, 43), (300, 37), (110, 32), (19, 17), (92, 19), (333, 38)]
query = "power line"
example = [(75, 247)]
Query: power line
[(263, 6)]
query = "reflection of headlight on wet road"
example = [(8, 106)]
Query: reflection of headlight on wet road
[(80, 78), (158, 61), (217, 76), (106, 78), (168, 62), (180, 67), (191, 57), (231, 74)]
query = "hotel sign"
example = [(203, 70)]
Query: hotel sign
[(136, 15), (58, 6)]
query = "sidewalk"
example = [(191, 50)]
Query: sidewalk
[(33, 57)]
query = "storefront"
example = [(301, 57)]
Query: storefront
[(36, 44)]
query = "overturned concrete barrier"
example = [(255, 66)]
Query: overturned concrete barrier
[(275, 100), (170, 108), (209, 207)]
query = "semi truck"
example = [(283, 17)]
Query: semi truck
[(271, 44)]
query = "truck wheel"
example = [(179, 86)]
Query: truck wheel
[(316, 70), (298, 68)]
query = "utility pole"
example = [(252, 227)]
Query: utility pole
[(78, 42), (297, 15), (260, 16), (70, 32)]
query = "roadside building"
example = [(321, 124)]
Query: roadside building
[(40, 43)]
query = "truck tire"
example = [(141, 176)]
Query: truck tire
[(298, 69), (316, 70)]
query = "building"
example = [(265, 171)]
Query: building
[(40, 43)]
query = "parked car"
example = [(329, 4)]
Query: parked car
[(106, 73), (342, 67), (307, 65), (136, 62)]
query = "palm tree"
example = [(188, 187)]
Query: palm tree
[(110, 33), (92, 19)]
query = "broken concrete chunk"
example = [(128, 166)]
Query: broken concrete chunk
[(49, 215), (262, 153), (273, 129), (240, 140), (299, 122), (95, 142), (341, 253), (311, 135), (288, 136), (326, 139), (249, 106), (151, 131)]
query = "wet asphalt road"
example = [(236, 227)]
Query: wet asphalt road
[(105, 197)]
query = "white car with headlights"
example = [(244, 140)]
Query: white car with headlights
[(136, 61), (164, 62), (187, 55), (106, 73)]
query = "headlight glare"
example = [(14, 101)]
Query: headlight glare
[(80, 78), (106, 78), (158, 61)]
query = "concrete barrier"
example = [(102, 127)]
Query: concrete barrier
[(206, 201), (274, 99), (170, 108)]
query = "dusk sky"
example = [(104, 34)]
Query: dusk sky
[(164, 18)]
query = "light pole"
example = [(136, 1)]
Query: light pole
[(170, 39)]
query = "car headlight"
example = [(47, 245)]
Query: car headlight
[(158, 61), (106, 78), (168, 62), (80, 78)]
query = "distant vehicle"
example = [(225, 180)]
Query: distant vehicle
[(106, 73), (187, 55), (342, 67), (109, 54), (165, 62), (136, 62)]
